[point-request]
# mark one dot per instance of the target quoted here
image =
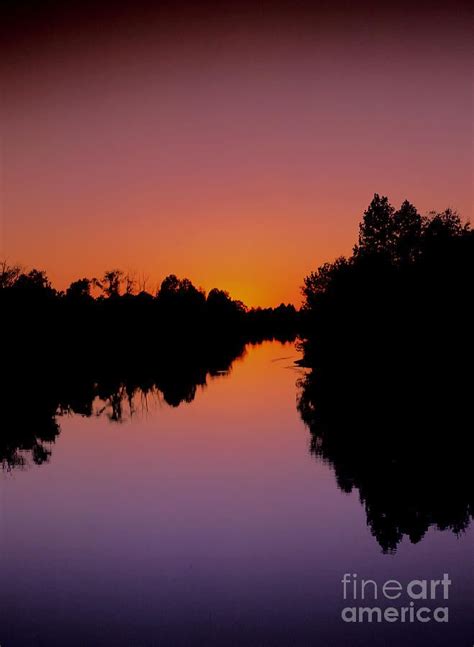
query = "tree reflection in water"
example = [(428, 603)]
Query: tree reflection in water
[(117, 388)]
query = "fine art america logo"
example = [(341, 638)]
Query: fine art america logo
[(416, 601)]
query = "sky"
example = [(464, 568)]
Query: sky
[(236, 144)]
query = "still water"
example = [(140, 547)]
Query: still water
[(208, 523)]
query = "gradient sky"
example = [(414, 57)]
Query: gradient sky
[(234, 144)]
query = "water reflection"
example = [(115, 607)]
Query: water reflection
[(401, 439), (409, 462), (117, 390), (207, 524)]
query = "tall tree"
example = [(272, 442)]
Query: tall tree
[(377, 229), (408, 226)]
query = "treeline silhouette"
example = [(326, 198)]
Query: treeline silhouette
[(106, 339), (387, 336), (122, 317)]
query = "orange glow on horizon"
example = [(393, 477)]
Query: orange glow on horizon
[(240, 156)]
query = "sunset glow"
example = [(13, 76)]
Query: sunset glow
[(236, 149)]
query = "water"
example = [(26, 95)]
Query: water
[(210, 523)]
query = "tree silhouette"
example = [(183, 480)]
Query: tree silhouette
[(8, 275), (408, 227), (377, 229), (111, 282), (387, 400), (80, 290), (34, 280)]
